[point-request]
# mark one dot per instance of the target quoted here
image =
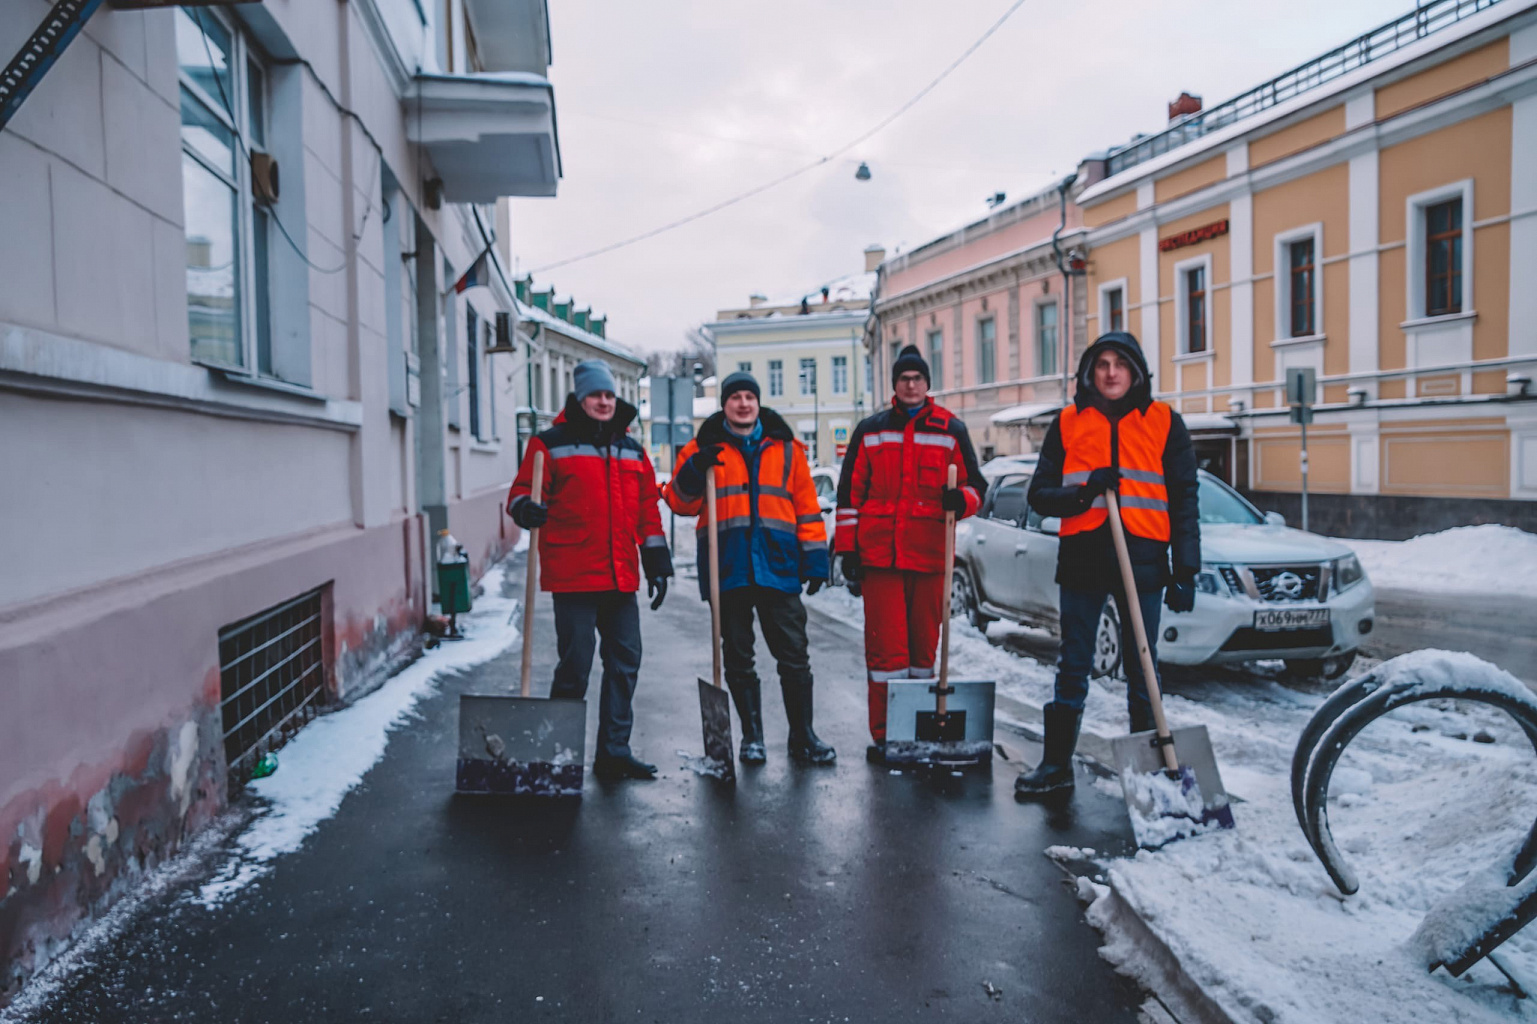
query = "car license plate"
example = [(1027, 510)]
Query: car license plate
[(1273, 619)]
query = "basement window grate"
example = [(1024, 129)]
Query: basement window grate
[(271, 680)]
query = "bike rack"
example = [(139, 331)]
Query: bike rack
[(1341, 718)]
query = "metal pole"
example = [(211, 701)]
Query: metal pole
[(1304, 469)]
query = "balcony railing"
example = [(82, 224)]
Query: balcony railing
[(1380, 42)]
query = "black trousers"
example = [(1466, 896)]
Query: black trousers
[(782, 618), (580, 621)]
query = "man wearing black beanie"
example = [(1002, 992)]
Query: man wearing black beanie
[(891, 527)]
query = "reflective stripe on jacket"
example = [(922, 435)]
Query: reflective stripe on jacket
[(601, 493), (770, 531), (889, 490), (1135, 443)]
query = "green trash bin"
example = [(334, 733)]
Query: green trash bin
[(453, 581)]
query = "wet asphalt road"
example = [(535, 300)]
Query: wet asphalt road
[(842, 894)]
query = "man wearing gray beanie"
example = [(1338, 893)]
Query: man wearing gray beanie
[(591, 523)]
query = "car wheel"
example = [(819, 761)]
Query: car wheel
[(963, 598), (1107, 641), (1320, 668)]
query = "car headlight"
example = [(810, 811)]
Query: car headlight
[(1347, 572), (1206, 582)]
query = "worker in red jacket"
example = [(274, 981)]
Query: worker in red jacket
[(890, 533), (598, 508)]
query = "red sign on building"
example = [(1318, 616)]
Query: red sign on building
[(1194, 236)]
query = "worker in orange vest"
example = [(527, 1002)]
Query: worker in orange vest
[(1113, 436)]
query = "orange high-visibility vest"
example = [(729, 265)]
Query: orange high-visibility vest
[(1136, 445)]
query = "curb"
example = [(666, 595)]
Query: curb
[(1158, 970)]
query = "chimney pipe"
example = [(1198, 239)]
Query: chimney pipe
[(1184, 107), (874, 254)]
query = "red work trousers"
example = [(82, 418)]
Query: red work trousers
[(902, 620)]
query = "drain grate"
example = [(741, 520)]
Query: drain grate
[(271, 680)]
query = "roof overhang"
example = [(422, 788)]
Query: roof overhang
[(1017, 414), (511, 35), (488, 135)]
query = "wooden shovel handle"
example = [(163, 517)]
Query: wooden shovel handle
[(531, 582), (941, 704), (1139, 628), (714, 545)]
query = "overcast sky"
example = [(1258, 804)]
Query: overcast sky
[(670, 106)]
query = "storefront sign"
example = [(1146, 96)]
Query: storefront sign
[(1194, 236)]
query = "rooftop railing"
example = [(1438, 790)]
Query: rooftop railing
[(1380, 42)]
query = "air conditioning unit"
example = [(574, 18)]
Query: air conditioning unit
[(265, 182)]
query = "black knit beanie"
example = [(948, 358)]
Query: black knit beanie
[(908, 360)]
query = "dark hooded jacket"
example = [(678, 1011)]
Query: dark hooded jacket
[(601, 493), (1086, 561)]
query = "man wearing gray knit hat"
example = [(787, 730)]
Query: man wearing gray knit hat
[(598, 508)]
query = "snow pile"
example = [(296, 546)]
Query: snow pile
[(1255, 923), (330, 756), (1471, 559)]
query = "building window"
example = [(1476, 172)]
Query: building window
[(936, 359), (1115, 310), (1300, 257), (223, 124), (744, 367), (1195, 309), (896, 347), (987, 344), (1046, 339), (808, 376), (809, 439), (869, 376), (1443, 258), (776, 378), (472, 364), (840, 375)]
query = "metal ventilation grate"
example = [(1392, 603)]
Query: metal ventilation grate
[(271, 680)]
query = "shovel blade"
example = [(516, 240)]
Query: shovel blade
[(916, 735), (715, 712), (521, 746), (1165, 808)]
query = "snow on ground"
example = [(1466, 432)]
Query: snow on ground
[(1416, 804), (1473, 559), (330, 756)]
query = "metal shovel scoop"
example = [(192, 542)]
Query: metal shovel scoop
[(1170, 795), (714, 702)]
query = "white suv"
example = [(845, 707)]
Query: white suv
[(1265, 591)]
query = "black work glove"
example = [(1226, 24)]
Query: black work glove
[(529, 514), (1101, 480), (708, 455), (814, 584), (853, 569), (1180, 594), (953, 499), (656, 589)]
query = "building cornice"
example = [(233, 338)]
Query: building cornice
[(1029, 263)]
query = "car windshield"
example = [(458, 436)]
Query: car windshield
[(1221, 504)]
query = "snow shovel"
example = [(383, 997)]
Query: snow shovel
[(524, 745), (714, 702), (1170, 795), (940, 722)]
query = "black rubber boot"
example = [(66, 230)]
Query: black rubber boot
[(747, 694), (1142, 719), (1055, 772), (805, 747), (626, 767)]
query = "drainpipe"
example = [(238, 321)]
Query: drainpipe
[(1066, 325)]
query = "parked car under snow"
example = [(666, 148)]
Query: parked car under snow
[(1265, 591)]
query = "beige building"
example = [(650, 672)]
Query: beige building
[(1371, 215), (809, 358)]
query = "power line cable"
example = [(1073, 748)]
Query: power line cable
[(797, 172)]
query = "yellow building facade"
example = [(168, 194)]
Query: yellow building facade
[(1374, 219)]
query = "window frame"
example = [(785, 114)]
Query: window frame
[(840, 363), (1453, 240), (1105, 290), (936, 341), (251, 307), (1282, 274), (776, 378), (744, 366), (808, 386), (1035, 332), (987, 369), (1417, 263), (1182, 297)]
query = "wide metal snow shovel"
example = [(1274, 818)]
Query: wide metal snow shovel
[(941, 722), (1170, 795), (524, 745), (714, 702)]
